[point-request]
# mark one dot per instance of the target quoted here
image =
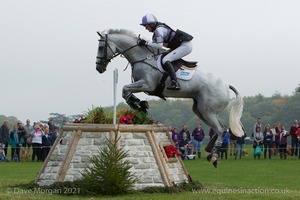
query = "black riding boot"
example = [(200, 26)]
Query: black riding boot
[(170, 69)]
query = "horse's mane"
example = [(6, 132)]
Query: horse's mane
[(120, 31)]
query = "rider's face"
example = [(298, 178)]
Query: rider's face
[(149, 28)]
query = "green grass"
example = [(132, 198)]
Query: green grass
[(233, 179)]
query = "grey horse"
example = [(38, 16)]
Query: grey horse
[(210, 94)]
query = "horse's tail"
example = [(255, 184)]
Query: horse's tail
[(236, 107)]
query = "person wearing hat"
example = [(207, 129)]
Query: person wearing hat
[(178, 42)]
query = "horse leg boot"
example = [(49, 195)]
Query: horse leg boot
[(215, 152), (133, 101), (209, 147), (170, 69), (213, 148), (144, 106), (216, 149)]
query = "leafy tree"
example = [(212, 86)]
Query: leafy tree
[(11, 121)]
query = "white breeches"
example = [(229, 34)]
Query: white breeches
[(184, 49)]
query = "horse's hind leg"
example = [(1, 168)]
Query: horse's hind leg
[(211, 119), (213, 147)]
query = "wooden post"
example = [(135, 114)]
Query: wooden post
[(49, 155), (68, 157), (157, 157), (112, 127), (180, 160), (161, 158)]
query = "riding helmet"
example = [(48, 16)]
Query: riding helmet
[(148, 19)]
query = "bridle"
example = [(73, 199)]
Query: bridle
[(104, 60)]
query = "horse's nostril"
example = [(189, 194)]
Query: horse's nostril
[(100, 69)]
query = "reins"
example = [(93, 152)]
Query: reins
[(106, 60)]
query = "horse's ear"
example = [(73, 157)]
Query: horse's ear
[(99, 34)]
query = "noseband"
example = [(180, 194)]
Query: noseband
[(104, 58)]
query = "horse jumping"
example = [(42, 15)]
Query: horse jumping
[(210, 94)]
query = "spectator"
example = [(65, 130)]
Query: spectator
[(184, 145), (276, 137), (22, 132), (29, 129), (51, 125), (224, 147), (170, 131), (198, 136), (294, 139), (176, 137), (258, 141), (47, 143), (298, 136), (257, 124), (15, 140), (232, 143), (21, 129), (53, 135), (268, 139), (273, 129), (240, 142), (186, 131), (283, 142), (2, 156), (37, 142), (4, 136)]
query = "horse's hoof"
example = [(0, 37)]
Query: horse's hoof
[(215, 163), (208, 157), (144, 104)]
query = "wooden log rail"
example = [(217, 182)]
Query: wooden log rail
[(113, 127)]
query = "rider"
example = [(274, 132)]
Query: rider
[(178, 42)]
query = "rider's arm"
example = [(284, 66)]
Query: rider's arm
[(158, 40), (158, 44)]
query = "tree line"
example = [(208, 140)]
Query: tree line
[(176, 112)]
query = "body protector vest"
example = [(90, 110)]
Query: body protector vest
[(173, 39)]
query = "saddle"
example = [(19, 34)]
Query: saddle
[(177, 64), (180, 63), (183, 63)]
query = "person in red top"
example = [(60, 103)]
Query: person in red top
[(298, 137), (294, 140)]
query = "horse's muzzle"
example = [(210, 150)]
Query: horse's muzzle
[(100, 67)]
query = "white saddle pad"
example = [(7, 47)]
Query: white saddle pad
[(182, 73)]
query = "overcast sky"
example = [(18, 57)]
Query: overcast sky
[(48, 48)]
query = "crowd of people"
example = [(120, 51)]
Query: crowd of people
[(40, 137), (267, 141), (274, 140)]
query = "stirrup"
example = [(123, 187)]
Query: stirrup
[(174, 86)]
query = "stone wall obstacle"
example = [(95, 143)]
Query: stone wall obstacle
[(77, 143)]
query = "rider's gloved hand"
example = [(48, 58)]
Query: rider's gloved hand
[(142, 42)]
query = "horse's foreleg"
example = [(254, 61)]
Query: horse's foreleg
[(134, 102)]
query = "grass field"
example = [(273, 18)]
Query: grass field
[(233, 179)]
